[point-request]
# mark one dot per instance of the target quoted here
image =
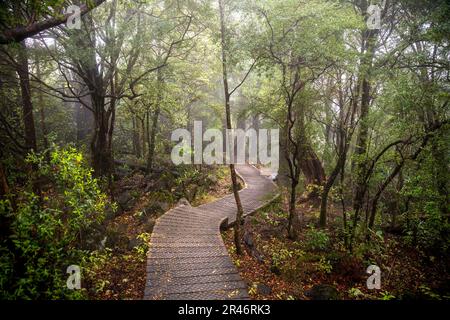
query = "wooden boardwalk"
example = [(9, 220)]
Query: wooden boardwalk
[(187, 258)]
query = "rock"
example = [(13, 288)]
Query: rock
[(124, 200), (275, 270), (248, 240), (149, 224), (258, 256), (263, 289), (322, 292), (164, 206), (134, 242), (154, 209), (183, 202), (115, 239), (93, 236), (151, 209)]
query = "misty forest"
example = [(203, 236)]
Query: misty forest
[(92, 205)]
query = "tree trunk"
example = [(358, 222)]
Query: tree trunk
[(154, 128), (291, 153), (369, 38), (27, 106), (42, 111), (311, 165), (84, 120), (292, 234), (237, 198), (136, 140), (101, 153), (152, 138), (326, 190), (4, 188), (27, 113), (342, 138), (143, 135)]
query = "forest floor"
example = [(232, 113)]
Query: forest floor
[(122, 274), (317, 266)]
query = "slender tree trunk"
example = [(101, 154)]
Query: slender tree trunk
[(344, 210), (42, 111), (237, 198), (27, 105), (136, 140), (143, 135), (326, 190), (27, 113), (152, 138), (373, 208), (291, 154), (154, 128), (4, 188), (343, 144), (369, 38), (292, 234)]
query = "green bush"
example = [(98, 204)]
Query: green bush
[(47, 232), (316, 239)]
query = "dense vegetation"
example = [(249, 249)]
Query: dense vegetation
[(86, 118)]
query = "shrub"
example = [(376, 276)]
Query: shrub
[(316, 239), (47, 232)]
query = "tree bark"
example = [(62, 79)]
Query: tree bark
[(101, 153), (368, 47), (27, 105), (327, 187), (4, 188), (20, 33), (136, 140), (237, 198), (42, 111), (154, 128)]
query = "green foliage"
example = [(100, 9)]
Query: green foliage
[(355, 293), (143, 247), (284, 258), (316, 239), (428, 293), (47, 234), (425, 222), (37, 8), (324, 265), (385, 295)]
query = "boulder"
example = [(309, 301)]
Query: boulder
[(183, 202), (124, 201), (149, 224), (258, 256), (134, 242), (275, 270), (248, 240), (322, 292), (263, 289), (115, 239)]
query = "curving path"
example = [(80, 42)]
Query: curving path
[(187, 258)]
